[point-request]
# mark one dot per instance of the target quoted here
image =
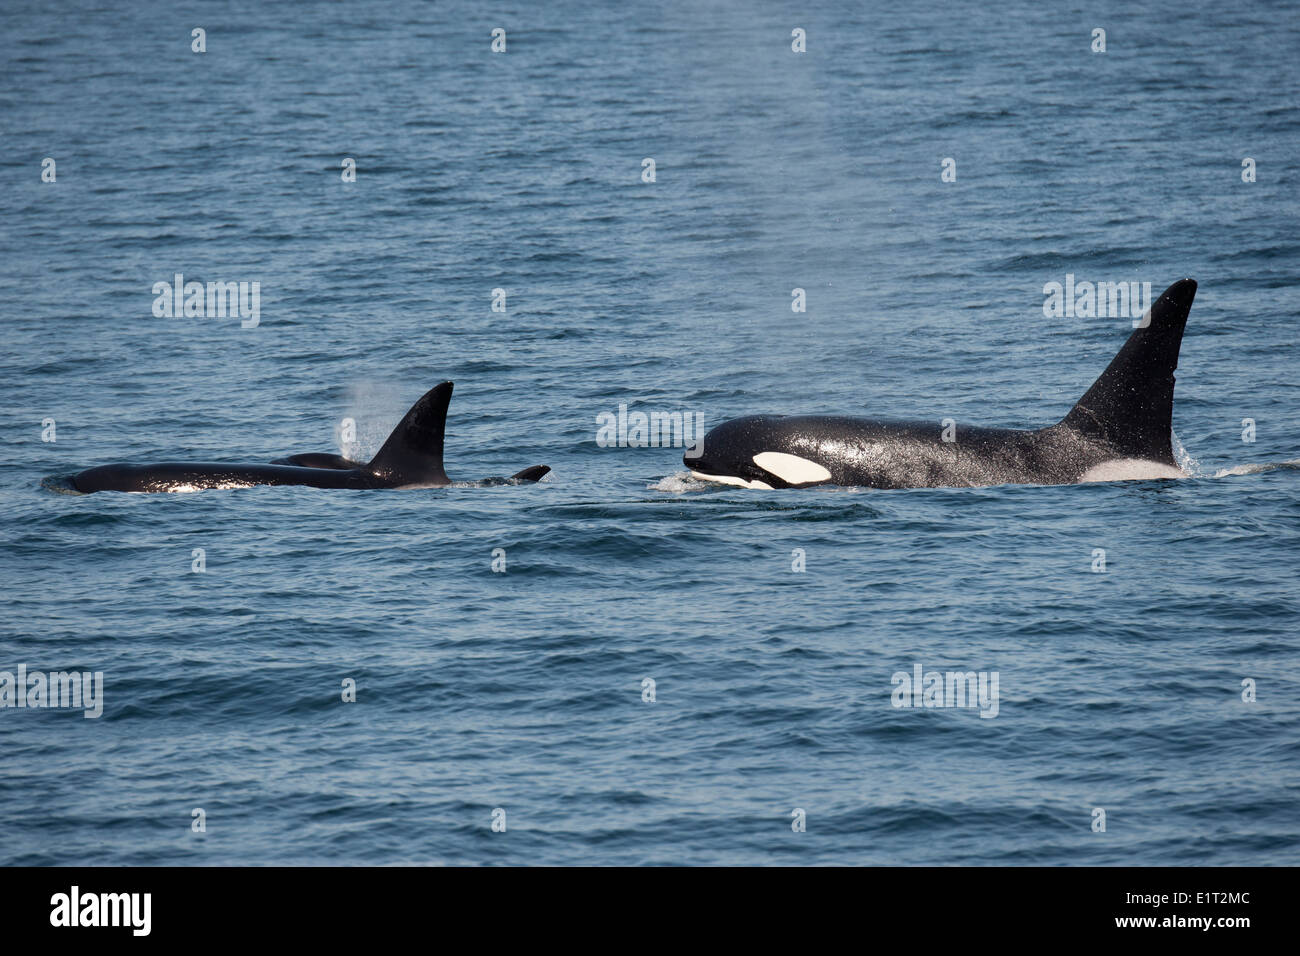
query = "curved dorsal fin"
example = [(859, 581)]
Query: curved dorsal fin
[(412, 455), (1130, 407)]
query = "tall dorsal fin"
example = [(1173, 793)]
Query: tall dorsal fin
[(413, 453), (1130, 407)]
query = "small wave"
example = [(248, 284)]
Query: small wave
[(1194, 469), (498, 482), (1256, 469)]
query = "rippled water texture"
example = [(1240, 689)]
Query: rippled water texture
[(523, 690)]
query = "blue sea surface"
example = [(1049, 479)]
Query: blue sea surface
[(1124, 690)]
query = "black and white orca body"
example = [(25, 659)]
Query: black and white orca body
[(1120, 430), (410, 458)]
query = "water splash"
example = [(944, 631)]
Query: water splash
[(376, 408), (679, 483), (1194, 469), (1256, 469), (1183, 458)]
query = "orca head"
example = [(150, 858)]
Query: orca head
[(752, 452)]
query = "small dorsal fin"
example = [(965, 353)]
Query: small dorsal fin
[(412, 455), (319, 460), (1130, 407)]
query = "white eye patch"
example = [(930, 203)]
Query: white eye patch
[(791, 468)]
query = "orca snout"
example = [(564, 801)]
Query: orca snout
[(722, 455), (693, 457)]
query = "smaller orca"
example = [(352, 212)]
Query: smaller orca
[(339, 463), (318, 460), (410, 458), (1120, 430)]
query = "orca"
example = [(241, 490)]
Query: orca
[(410, 458), (318, 460), (338, 462), (1121, 429)]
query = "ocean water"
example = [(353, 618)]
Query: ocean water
[(522, 691)]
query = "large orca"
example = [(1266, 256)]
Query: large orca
[(1119, 430), (410, 458)]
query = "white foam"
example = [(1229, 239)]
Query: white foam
[(678, 483), (1254, 469)]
